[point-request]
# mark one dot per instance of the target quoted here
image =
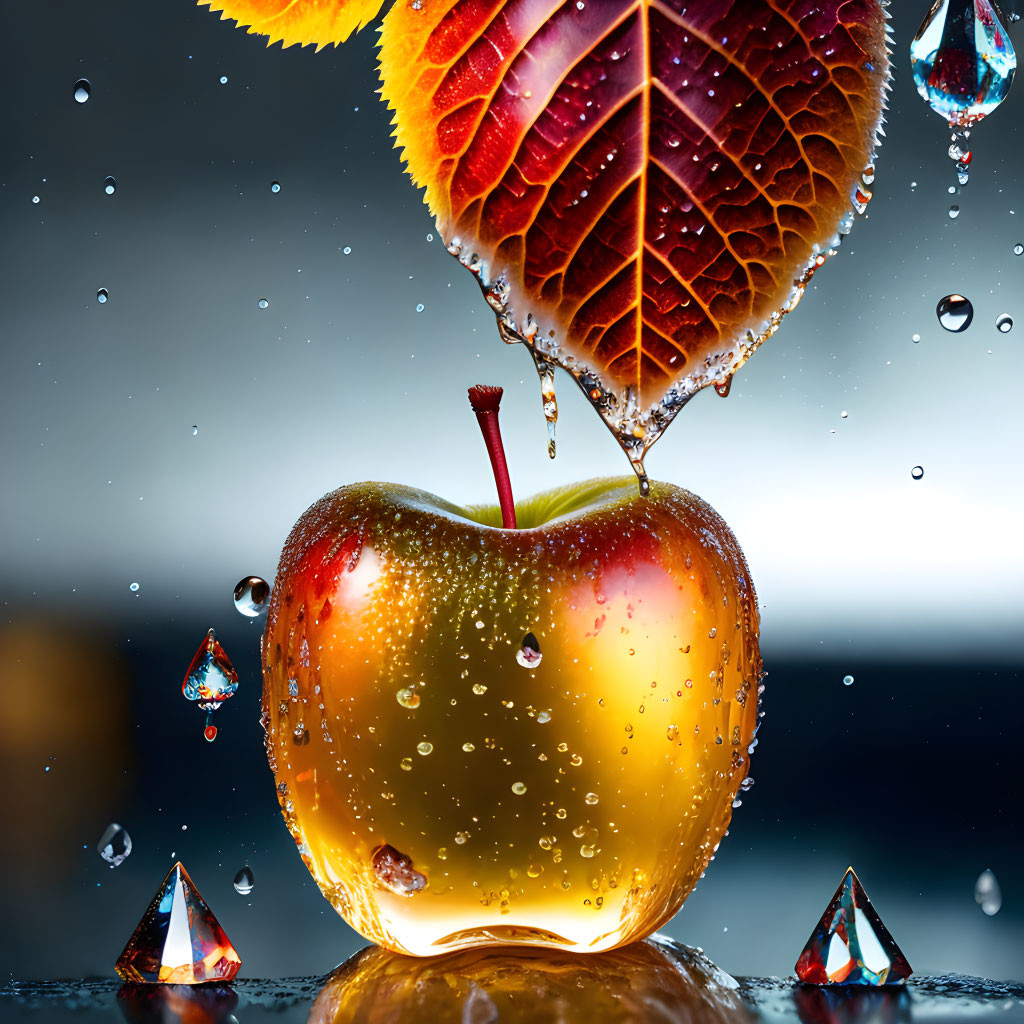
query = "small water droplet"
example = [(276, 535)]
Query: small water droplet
[(430, 237), (223, 79), (244, 881), (987, 893), (468, 747), (109, 185), (419, 307), (35, 199), (955, 312), (347, 250), (408, 698), (1018, 249), (195, 429), (954, 212), (1004, 323), (252, 593), (519, 788), (847, 680), (263, 303), (915, 338), (102, 295), (591, 799), (115, 845), (844, 415), (133, 587), (83, 89), (479, 689), (544, 717), (917, 472), (275, 187), (424, 748)]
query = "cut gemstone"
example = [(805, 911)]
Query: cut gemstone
[(178, 941), (850, 945), (211, 678), (962, 60)]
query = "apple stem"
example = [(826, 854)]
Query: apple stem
[(485, 401)]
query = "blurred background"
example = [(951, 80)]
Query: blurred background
[(158, 446)]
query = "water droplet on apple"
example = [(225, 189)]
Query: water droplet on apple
[(300, 735), (747, 784), (576, 760), (587, 850), (252, 593), (244, 881), (529, 655), (424, 748), (394, 870), (83, 89), (672, 732), (519, 788), (406, 764), (109, 185), (591, 799), (468, 747), (544, 717), (408, 698), (955, 313), (479, 689)]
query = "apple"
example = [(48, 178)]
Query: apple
[(484, 735)]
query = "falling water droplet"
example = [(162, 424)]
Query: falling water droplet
[(1004, 323), (263, 303), (917, 472), (955, 313), (83, 88), (210, 680), (954, 212), (252, 596), (915, 338), (1018, 249), (133, 587), (35, 199), (223, 79), (102, 295), (115, 845), (209, 730), (109, 185), (244, 881), (195, 429), (419, 307), (529, 655), (962, 60), (275, 187), (987, 893), (723, 389), (847, 680), (546, 373), (347, 250)]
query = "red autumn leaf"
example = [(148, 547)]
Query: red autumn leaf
[(642, 186)]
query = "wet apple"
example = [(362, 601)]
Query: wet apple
[(487, 735)]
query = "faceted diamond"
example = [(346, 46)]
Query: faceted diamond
[(850, 945), (962, 60), (178, 941), (211, 678)]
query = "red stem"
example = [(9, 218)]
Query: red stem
[(485, 401)]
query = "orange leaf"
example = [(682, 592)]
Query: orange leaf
[(643, 187), (298, 21)]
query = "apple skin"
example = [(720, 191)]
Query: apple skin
[(445, 796)]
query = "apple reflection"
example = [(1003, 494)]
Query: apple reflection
[(652, 981)]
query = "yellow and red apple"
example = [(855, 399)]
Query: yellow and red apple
[(484, 735)]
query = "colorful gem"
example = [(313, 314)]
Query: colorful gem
[(962, 60), (210, 680), (178, 941), (850, 945)]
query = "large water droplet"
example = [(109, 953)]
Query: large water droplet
[(962, 60), (529, 655), (244, 881), (252, 593), (115, 844), (109, 185), (102, 295), (955, 313), (82, 90), (987, 893), (1004, 323)]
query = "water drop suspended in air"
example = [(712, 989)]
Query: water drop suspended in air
[(529, 655), (987, 893), (1004, 323), (546, 373), (419, 307), (275, 187), (955, 313), (962, 60), (347, 250), (917, 472), (263, 303), (1018, 249), (915, 338), (244, 881), (252, 596), (82, 90), (134, 588), (109, 185), (847, 680), (102, 295), (195, 429), (115, 845), (223, 79), (954, 212), (35, 199)]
